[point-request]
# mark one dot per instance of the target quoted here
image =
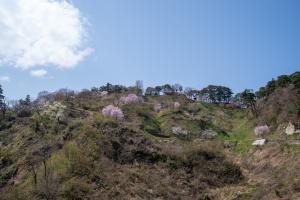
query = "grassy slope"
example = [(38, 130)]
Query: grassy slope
[(241, 135), (96, 157)]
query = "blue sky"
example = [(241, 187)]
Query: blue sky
[(239, 44)]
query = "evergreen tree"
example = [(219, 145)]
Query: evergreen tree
[(2, 102), (248, 98), (167, 89), (283, 81), (295, 77), (27, 100), (217, 94), (139, 87), (177, 88), (158, 89)]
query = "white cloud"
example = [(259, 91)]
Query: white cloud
[(41, 32), (4, 78), (40, 73)]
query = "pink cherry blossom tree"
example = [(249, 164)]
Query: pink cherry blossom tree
[(157, 107), (261, 131), (130, 99), (104, 94), (112, 111), (176, 105)]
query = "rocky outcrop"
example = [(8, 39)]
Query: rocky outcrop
[(209, 134), (259, 142)]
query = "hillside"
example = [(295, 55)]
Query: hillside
[(73, 146)]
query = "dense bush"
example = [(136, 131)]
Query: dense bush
[(151, 125), (209, 167), (40, 123), (76, 189), (280, 107)]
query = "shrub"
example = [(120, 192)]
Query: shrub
[(40, 123), (78, 163), (151, 125), (112, 111), (76, 189), (261, 131)]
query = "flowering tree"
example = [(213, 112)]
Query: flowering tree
[(176, 105), (261, 131), (130, 99), (104, 94), (112, 111), (179, 131), (157, 107)]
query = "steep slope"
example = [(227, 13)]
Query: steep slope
[(69, 150), (163, 147)]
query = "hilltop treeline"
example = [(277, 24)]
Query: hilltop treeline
[(282, 81), (273, 103)]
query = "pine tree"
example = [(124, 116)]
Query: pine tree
[(249, 99), (27, 100)]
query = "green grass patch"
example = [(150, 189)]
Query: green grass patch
[(241, 136)]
